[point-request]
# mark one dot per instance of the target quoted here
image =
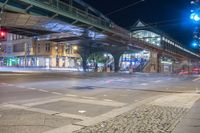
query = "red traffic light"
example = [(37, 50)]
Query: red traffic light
[(2, 35)]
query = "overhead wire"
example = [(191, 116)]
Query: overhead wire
[(123, 8)]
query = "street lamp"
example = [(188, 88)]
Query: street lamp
[(195, 16), (75, 48)]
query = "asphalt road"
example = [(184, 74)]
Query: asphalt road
[(66, 102)]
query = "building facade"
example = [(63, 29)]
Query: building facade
[(20, 51)]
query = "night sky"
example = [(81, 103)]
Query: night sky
[(170, 16)]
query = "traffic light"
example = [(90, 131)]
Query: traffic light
[(2, 35)]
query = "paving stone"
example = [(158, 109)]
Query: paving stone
[(144, 119), (74, 108), (23, 121)]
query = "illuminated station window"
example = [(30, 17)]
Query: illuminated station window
[(148, 36)]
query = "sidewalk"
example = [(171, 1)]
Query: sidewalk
[(191, 122), (23, 69)]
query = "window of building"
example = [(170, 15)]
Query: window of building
[(47, 47), (148, 36), (39, 47), (18, 48)]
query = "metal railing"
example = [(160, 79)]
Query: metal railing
[(90, 18), (61, 6)]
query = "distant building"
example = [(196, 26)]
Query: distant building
[(157, 38)]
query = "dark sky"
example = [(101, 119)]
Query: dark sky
[(172, 16)]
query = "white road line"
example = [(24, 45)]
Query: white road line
[(82, 111), (43, 90), (73, 116), (196, 79), (4, 83), (49, 112), (32, 88), (94, 102), (10, 85), (42, 102), (31, 109), (108, 100), (88, 97), (71, 95), (157, 81), (144, 84), (57, 93)]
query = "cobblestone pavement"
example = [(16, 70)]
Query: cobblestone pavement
[(144, 119), (159, 116)]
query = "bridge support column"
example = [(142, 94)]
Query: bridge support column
[(154, 66), (116, 62), (84, 53)]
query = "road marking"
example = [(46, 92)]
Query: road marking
[(4, 83), (105, 95), (57, 93), (32, 88), (196, 79), (82, 111), (108, 100), (43, 90), (73, 116), (31, 109), (108, 81), (157, 81), (88, 97), (42, 102), (71, 95), (49, 112), (10, 85), (78, 100), (95, 102), (144, 84)]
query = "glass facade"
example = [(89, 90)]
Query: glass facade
[(134, 60), (148, 36)]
